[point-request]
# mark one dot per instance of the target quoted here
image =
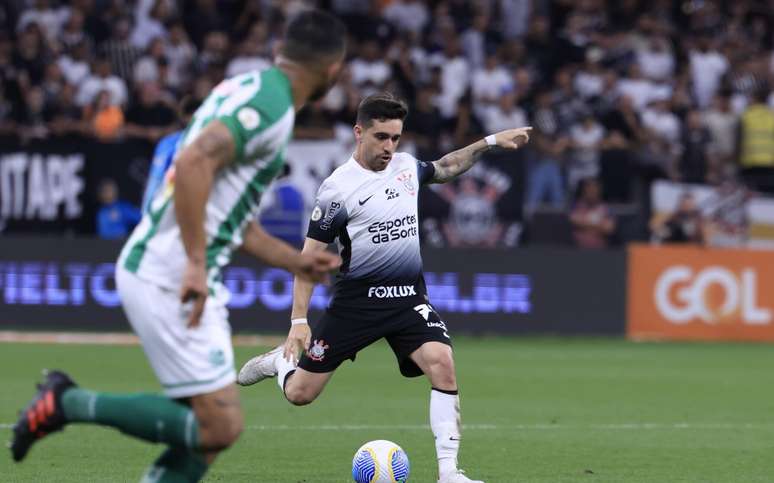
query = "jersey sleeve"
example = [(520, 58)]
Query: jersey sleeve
[(329, 215), (244, 123)]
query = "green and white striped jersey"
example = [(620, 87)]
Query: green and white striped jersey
[(257, 107)]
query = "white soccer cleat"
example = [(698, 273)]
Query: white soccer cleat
[(260, 367), (457, 477)]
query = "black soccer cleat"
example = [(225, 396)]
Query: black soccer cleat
[(43, 415)]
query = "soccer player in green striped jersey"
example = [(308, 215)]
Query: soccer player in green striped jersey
[(169, 273)]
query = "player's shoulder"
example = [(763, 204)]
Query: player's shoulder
[(402, 161)]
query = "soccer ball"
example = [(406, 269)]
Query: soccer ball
[(380, 462)]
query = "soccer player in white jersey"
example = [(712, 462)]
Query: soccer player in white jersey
[(169, 272), (369, 204)]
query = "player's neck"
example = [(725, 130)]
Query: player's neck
[(301, 85)]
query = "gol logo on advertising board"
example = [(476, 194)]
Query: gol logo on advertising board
[(698, 293)]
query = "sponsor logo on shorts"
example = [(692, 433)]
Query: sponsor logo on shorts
[(441, 325), (317, 351), (391, 292), (217, 357)]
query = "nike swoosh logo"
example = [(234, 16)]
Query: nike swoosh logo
[(362, 202)]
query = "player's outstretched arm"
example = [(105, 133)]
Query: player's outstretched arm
[(312, 267), (194, 172), (461, 160), (300, 335)]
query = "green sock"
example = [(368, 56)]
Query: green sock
[(176, 465), (151, 417)]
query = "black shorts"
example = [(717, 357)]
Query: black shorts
[(341, 333)]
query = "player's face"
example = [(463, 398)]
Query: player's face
[(378, 142)]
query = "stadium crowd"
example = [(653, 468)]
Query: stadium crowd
[(622, 91)]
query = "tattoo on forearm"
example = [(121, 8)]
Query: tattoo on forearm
[(457, 162)]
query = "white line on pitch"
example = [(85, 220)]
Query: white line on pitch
[(506, 427)]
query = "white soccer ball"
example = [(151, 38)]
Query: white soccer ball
[(380, 461)]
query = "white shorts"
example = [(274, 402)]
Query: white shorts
[(187, 362)]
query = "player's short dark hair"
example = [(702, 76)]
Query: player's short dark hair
[(383, 106), (312, 36)]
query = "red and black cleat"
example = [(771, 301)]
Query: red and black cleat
[(43, 415)]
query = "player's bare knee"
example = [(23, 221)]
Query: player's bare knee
[(222, 432)]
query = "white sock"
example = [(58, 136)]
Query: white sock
[(283, 369), (445, 423)]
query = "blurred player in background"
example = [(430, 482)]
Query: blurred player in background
[(169, 272), (165, 151), (370, 204)]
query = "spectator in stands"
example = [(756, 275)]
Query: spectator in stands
[(488, 83), (476, 39), (708, 66), (105, 119), (75, 63), (33, 119), (149, 19), (408, 15), (756, 143), (424, 125), (73, 32), (722, 123), (504, 114), (454, 77), (66, 116), (30, 56), (213, 55), (254, 53), (586, 139), (202, 17), (656, 60), (115, 218), (146, 69), (590, 218), (180, 52), (150, 117), (102, 79), (696, 164), (545, 185), (369, 70), (120, 51), (685, 225), (45, 16)]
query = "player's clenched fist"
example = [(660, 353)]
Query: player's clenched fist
[(513, 138), (316, 266)]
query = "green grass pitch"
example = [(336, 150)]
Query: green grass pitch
[(536, 410)]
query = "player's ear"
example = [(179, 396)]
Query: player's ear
[(358, 132)]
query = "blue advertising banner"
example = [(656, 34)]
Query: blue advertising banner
[(67, 284)]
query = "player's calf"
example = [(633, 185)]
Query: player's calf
[(437, 362), (302, 387)]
